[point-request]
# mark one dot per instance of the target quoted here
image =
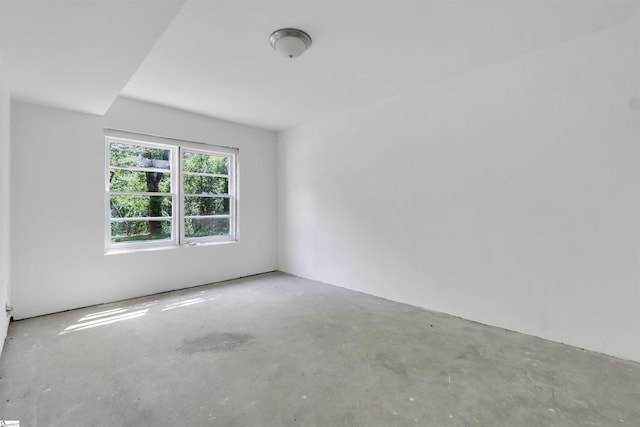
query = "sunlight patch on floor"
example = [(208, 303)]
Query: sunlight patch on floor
[(82, 324)]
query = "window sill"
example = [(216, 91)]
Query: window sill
[(119, 251)]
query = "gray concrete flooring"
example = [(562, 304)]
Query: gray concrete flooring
[(277, 350)]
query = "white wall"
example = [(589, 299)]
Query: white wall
[(58, 208), (508, 196), (5, 229)]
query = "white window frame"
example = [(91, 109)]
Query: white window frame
[(176, 147), (231, 192)]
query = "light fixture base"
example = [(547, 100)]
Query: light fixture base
[(290, 42)]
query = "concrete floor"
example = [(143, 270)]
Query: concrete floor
[(276, 350)]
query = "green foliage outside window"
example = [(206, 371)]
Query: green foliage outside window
[(201, 177), (157, 180)]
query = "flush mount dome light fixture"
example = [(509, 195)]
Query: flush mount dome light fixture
[(290, 42)]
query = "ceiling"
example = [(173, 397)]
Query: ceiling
[(213, 57), (77, 55)]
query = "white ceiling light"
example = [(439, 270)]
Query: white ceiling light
[(290, 42)]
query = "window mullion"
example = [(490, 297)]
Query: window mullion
[(137, 169), (212, 175), (220, 195), (207, 216), (180, 202), (139, 193), (142, 218), (233, 200)]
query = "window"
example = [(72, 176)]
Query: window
[(161, 192)]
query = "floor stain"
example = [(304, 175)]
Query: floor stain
[(470, 352), (216, 342), (391, 364)]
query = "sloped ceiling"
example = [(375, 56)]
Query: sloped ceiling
[(78, 55), (213, 57)]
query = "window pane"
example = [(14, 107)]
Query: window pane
[(201, 227), (130, 155), (204, 163), (206, 206), (196, 184), (140, 206), (127, 180), (128, 231)]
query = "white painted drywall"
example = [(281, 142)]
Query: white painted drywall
[(508, 196), (58, 208), (5, 229)]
